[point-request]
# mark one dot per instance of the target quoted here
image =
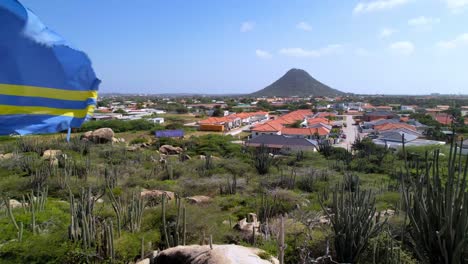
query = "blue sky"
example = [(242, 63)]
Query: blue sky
[(240, 46)]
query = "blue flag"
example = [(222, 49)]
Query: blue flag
[(45, 85)]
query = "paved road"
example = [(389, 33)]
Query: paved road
[(351, 133), (237, 130)]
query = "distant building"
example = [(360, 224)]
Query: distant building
[(157, 120), (464, 111), (376, 115), (408, 108)]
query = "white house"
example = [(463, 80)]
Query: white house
[(157, 120)]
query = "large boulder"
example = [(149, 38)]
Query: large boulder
[(247, 225), (6, 156), (51, 154), (99, 136), (170, 150), (220, 254), (157, 194), (199, 199)]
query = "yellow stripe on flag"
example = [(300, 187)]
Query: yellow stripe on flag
[(52, 93), (38, 110)]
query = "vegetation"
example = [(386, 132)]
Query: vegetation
[(90, 203)]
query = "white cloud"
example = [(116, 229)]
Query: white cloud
[(363, 52), (386, 32), (457, 5), (423, 22), (402, 47), (304, 26), (460, 40), (377, 5), (247, 26), (300, 52), (263, 54)]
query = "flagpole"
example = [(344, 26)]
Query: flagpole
[(68, 134)]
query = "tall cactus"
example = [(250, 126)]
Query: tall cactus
[(172, 233), (262, 160), (135, 213), (19, 227), (437, 208), (353, 221)]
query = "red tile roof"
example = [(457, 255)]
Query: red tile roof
[(305, 131), (444, 119), (391, 126), (318, 120)]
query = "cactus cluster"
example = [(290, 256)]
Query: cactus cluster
[(262, 160), (176, 234), (85, 228), (437, 207), (230, 187), (353, 221)]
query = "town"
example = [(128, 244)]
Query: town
[(286, 124)]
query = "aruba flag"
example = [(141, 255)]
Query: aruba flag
[(45, 85)]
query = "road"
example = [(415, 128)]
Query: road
[(236, 131), (351, 133)]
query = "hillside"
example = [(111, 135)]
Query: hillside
[(297, 82)]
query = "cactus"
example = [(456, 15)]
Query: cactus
[(262, 160), (118, 209), (172, 234), (281, 245), (352, 220), (89, 231), (19, 228), (135, 213), (437, 207)]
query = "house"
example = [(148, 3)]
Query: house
[(282, 144), (443, 118), (443, 107), (464, 111), (215, 123), (376, 115), (309, 133), (383, 108), (157, 120), (394, 139), (464, 149), (408, 108), (268, 128)]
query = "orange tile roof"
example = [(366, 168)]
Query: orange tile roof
[(444, 119), (318, 120), (305, 131), (271, 126), (391, 126)]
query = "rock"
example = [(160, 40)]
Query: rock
[(156, 193), (247, 225), (6, 156), (170, 150), (144, 261), (132, 148), (51, 154), (199, 199), (220, 254), (14, 204), (99, 136), (202, 157), (117, 140), (324, 220)]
